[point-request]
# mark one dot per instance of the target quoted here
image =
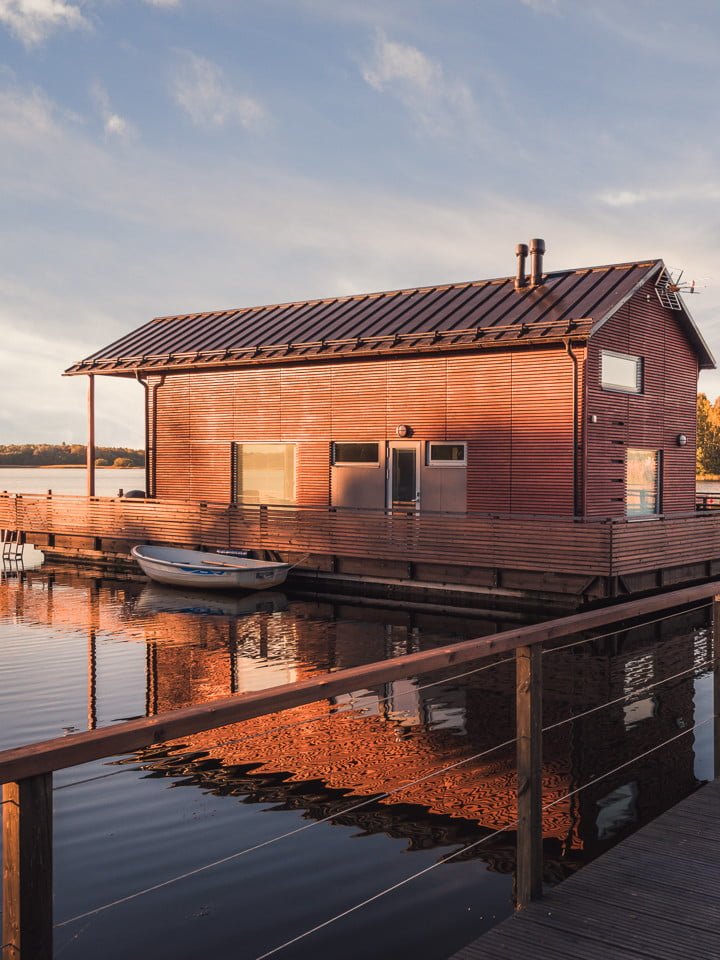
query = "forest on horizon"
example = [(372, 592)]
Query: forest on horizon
[(67, 454)]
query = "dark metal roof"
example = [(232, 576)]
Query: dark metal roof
[(479, 314)]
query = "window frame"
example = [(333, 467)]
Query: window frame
[(659, 483), (355, 464), (236, 471), (639, 373), (454, 464)]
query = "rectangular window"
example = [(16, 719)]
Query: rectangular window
[(356, 454), (642, 483), (621, 372), (447, 454), (265, 473)]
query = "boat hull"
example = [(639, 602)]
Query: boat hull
[(207, 571)]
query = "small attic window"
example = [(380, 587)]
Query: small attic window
[(621, 372)]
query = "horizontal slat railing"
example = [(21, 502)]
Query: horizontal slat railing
[(556, 544), (532, 543)]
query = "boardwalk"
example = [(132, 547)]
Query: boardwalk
[(653, 896)]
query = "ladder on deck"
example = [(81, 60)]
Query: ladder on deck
[(12, 545)]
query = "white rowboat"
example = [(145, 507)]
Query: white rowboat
[(213, 571)]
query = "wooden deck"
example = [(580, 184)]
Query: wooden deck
[(542, 556), (655, 895)]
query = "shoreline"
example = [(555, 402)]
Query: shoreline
[(62, 466)]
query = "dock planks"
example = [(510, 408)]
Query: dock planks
[(655, 896)]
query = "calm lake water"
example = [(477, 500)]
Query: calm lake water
[(69, 480), (78, 650)]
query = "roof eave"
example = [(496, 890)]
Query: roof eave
[(705, 357)]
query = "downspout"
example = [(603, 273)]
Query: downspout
[(150, 431), (147, 432), (576, 406)]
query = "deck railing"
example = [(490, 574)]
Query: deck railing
[(27, 772), (534, 543)]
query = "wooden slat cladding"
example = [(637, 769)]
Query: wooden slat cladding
[(653, 419), (479, 409), (513, 409), (561, 546), (542, 434)]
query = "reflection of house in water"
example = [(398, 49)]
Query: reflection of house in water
[(386, 739), (380, 741)]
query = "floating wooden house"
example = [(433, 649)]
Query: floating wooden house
[(486, 433)]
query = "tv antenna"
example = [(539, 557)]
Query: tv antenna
[(670, 285)]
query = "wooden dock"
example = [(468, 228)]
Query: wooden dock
[(655, 895)]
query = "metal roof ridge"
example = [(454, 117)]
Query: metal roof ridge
[(405, 291)]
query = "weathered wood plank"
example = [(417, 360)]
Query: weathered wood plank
[(27, 869), (653, 896), (528, 695)]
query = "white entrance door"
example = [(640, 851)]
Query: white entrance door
[(403, 475)]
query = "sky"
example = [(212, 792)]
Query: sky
[(169, 156)]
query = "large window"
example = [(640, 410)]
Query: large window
[(356, 454), (265, 473), (621, 372), (642, 482)]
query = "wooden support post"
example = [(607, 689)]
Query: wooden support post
[(91, 437), (27, 930), (716, 679), (528, 702)]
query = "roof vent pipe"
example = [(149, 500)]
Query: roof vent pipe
[(537, 249), (521, 252)]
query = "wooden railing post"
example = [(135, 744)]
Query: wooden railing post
[(27, 931), (528, 703), (716, 679)]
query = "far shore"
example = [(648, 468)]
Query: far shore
[(64, 466)]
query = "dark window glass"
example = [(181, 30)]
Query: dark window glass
[(404, 482), (443, 453), (642, 486), (356, 453), (620, 372)]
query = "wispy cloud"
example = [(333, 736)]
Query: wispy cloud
[(114, 125), (437, 102), (542, 6), (163, 3), (32, 20), (199, 86)]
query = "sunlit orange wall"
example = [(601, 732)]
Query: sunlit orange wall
[(514, 410)]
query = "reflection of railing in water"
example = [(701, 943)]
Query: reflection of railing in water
[(27, 772)]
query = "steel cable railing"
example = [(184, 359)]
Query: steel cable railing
[(266, 843), (296, 723), (325, 716), (471, 846), (361, 710), (631, 695)]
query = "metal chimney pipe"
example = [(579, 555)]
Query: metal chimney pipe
[(537, 249), (521, 252)]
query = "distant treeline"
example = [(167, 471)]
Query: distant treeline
[(708, 435), (61, 454)]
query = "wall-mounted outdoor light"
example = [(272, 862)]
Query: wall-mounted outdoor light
[(403, 431), (681, 439), (592, 418)]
